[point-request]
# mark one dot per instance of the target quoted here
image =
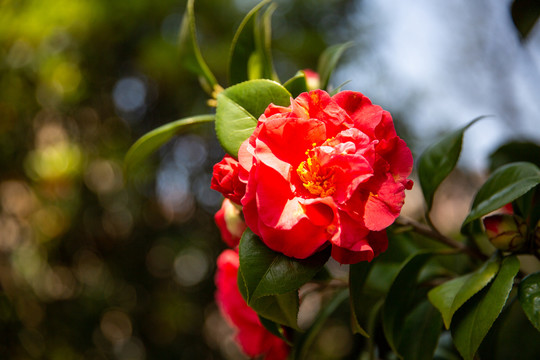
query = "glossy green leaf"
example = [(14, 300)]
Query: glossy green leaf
[(250, 55), (503, 186), (451, 295), (151, 141), (263, 41), (274, 328), (445, 349), (338, 88), (190, 52), (514, 151), (239, 107), (297, 84), (358, 274), (372, 324), (256, 95), (529, 297), (473, 321), (525, 14), (329, 60), (281, 309), (400, 298), (233, 124), (305, 341), (420, 333), (438, 161), (512, 336), (267, 272)]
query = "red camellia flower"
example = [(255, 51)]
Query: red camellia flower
[(325, 170), (230, 223), (225, 179), (252, 337)]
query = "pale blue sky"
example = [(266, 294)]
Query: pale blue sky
[(443, 63)]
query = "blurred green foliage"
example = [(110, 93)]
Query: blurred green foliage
[(92, 268)]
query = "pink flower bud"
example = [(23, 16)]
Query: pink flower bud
[(313, 81), (506, 232), (230, 223)]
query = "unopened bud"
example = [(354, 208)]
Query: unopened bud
[(313, 80), (506, 232), (230, 222)]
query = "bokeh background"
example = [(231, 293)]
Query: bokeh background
[(93, 267)]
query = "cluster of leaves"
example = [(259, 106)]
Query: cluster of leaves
[(426, 287), (479, 297)]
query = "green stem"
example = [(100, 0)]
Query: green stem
[(432, 232)]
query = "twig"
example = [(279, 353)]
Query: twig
[(424, 229)]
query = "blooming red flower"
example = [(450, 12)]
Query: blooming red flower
[(324, 170), (230, 223), (252, 337), (225, 179)]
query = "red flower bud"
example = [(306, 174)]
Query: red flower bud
[(506, 232), (313, 81), (230, 223), (225, 179)]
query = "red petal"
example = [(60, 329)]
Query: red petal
[(365, 116), (288, 139), (252, 337), (272, 212), (344, 256), (382, 209), (319, 105)]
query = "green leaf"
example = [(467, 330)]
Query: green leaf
[(451, 295), (329, 60), (514, 151), (400, 298), (151, 141), (525, 14), (305, 341), (529, 297), (438, 161), (255, 95), (358, 274), (274, 328), (338, 88), (233, 124), (239, 107), (503, 186), (512, 336), (267, 272), (420, 333), (190, 52), (372, 323), (250, 55), (281, 309), (297, 84), (263, 41), (476, 316)]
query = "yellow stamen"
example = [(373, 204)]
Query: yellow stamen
[(316, 179)]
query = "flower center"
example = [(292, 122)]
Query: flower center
[(316, 179)]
